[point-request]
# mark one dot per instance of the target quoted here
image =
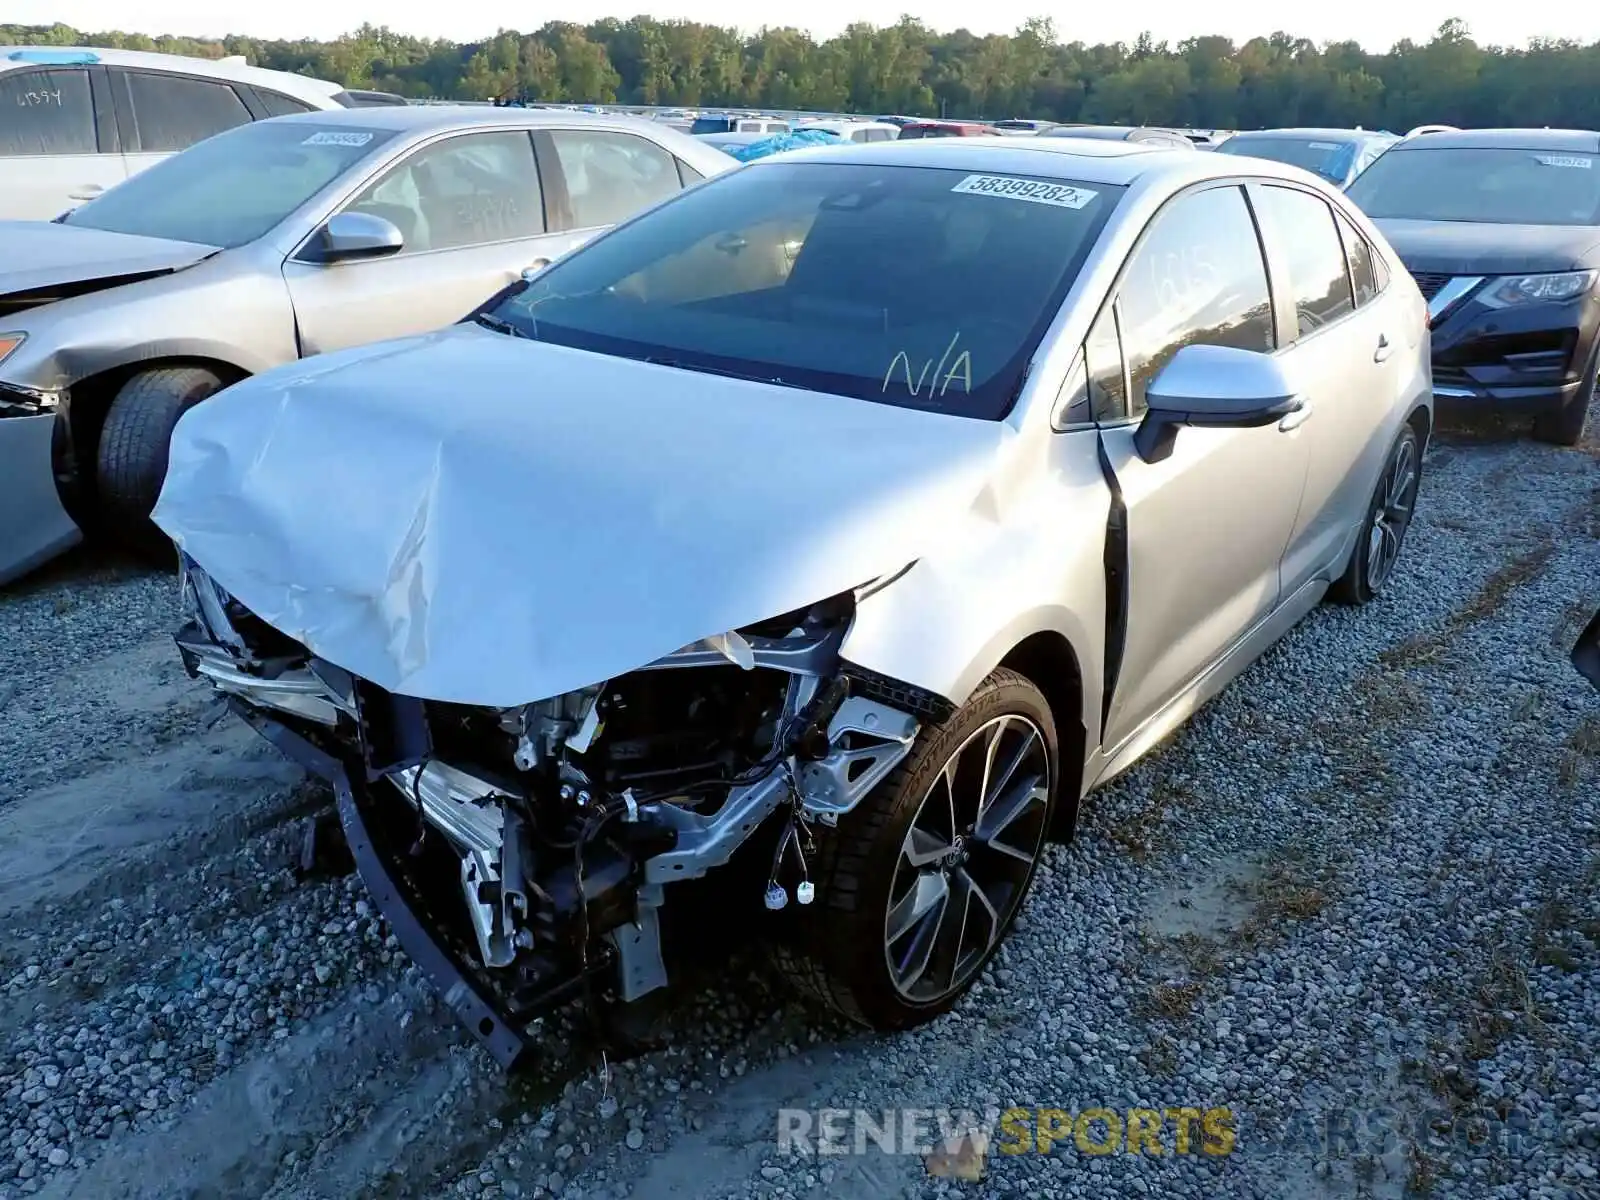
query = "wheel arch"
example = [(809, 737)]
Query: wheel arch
[(90, 399), (1048, 661), (1421, 419)]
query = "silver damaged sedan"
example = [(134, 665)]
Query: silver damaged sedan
[(849, 517), (268, 243)]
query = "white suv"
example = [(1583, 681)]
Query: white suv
[(78, 121)]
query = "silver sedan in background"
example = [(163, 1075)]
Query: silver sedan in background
[(267, 243)]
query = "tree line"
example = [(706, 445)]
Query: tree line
[(1203, 82)]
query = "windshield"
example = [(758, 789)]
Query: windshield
[(232, 188), (921, 287), (1500, 187), (1330, 159)]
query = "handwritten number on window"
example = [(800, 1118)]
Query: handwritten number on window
[(39, 99)]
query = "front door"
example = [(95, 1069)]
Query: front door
[(471, 214), (1206, 527)]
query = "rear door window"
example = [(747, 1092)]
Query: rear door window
[(1363, 262), (611, 176), (173, 112), (46, 113), (1300, 228)]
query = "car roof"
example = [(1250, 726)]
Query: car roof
[(1585, 140), (1310, 131), (425, 118), (216, 68), (1083, 160)]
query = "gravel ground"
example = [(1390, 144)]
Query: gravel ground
[(1361, 883)]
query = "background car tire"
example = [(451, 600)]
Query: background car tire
[(134, 444), (1565, 426), (1358, 584), (834, 951)]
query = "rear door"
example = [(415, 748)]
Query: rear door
[(1207, 526), (1348, 358), (472, 212), (57, 148)]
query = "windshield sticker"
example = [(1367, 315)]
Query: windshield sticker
[(1324, 145), (1035, 191), (1566, 160), (960, 370), (329, 137)]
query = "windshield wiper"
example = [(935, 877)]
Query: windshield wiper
[(748, 377), (498, 324)]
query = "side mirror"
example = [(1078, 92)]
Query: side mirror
[(1586, 654), (349, 236), (1218, 386)]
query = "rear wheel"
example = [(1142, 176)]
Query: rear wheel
[(918, 885), (134, 443), (1389, 514)]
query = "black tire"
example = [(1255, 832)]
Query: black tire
[(1358, 584), (836, 951), (1565, 426), (134, 443)]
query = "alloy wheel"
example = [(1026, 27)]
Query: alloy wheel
[(967, 857), (1392, 514)]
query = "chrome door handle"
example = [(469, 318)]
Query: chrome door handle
[(1296, 418), (1384, 348), (87, 192)]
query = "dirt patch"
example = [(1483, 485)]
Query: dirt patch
[(1428, 647)]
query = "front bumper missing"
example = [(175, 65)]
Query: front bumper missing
[(471, 1002)]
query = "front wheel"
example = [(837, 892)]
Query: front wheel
[(1565, 426), (134, 443), (1383, 532), (919, 884)]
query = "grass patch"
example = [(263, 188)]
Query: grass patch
[(1140, 833), (1173, 1001), (1582, 747), (1283, 895), (1428, 647)]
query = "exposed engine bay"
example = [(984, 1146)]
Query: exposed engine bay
[(539, 841)]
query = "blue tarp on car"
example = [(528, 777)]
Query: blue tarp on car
[(795, 139)]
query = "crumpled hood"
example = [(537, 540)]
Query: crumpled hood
[(471, 517), (1457, 248), (42, 254)]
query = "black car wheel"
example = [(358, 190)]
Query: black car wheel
[(1389, 513), (1565, 426), (919, 884), (134, 443)]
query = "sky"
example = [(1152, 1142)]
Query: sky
[(1376, 24)]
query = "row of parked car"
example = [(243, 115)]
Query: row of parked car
[(578, 501)]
